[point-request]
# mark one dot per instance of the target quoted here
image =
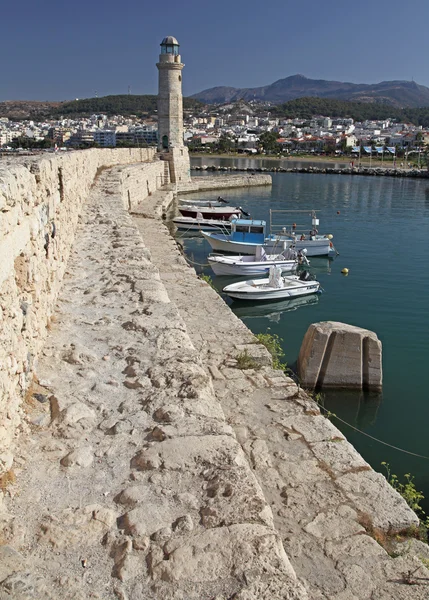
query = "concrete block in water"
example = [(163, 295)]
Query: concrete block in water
[(337, 355)]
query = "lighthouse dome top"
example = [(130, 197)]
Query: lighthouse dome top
[(170, 45), (169, 41)]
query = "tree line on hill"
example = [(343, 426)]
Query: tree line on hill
[(146, 105), (125, 104), (302, 108), (306, 108)]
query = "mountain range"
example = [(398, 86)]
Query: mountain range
[(395, 93)]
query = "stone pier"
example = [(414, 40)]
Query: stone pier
[(150, 466)]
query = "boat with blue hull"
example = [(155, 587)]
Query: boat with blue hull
[(247, 234)]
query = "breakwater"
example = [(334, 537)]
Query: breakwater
[(155, 466), (371, 171)]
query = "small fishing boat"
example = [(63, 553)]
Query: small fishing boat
[(218, 202), (199, 224), (259, 263), (221, 213), (275, 287), (247, 234)]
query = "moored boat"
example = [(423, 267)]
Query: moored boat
[(222, 213), (257, 264), (247, 234), (275, 287), (199, 224), (216, 203)]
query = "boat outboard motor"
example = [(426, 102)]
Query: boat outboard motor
[(246, 214), (302, 257), (305, 276)]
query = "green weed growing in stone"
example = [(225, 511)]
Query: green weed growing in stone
[(245, 361), (272, 343), (319, 399), (407, 489), (412, 496), (208, 280)]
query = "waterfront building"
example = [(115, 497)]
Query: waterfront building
[(105, 138)]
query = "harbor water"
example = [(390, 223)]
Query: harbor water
[(381, 231)]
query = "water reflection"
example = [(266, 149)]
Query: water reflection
[(273, 311), (357, 407), (266, 163)]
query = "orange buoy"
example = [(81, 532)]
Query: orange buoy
[(331, 244)]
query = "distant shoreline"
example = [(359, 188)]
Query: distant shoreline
[(387, 164)]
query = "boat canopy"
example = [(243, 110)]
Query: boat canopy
[(248, 222), (248, 231)]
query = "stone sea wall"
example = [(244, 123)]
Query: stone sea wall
[(362, 170), (221, 183), (40, 203)]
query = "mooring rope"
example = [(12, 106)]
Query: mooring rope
[(194, 262), (371, 436)]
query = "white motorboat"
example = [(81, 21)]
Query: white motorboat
[(211, 212), (257, 264), (210, 203), (275, 287), (247, 234), (198, 224)]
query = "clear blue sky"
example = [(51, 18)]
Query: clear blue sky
[(60, 50)]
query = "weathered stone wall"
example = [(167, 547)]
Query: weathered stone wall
[(221, 183), (136, 182), (40, 204), (179, 164)]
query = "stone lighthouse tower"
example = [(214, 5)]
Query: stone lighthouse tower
[(170, 111)]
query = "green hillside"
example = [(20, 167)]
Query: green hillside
[(306, 108)]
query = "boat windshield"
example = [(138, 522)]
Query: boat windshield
[(256, 230), (241, 228)]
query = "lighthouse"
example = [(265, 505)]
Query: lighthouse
[(170, 111)]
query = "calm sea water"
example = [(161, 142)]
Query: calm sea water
[(382, 236)]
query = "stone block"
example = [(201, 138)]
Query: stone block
[(338, 355)]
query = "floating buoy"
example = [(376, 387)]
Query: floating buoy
[(338, 212), (345, 271), (329, 236)]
